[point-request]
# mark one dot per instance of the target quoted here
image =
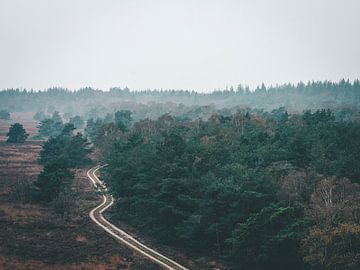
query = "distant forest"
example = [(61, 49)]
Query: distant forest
[(93, 103)]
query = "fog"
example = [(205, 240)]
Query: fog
[(201, 45)]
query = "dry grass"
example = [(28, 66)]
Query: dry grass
[(81, 239), (13, 263), (25, 119), (17, 161), (32, 236), (19, 157), (21, 213)]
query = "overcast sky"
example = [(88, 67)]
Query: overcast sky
[(185, 44)]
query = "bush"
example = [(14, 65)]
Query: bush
[(17, 134), (21, 190)]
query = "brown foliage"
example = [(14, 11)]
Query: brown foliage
[(335, 200), (297, 185), (20, 213), (333, 248)]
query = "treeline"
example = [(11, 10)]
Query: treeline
[(259, 190), (92, 103)]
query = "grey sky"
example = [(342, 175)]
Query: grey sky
[(188, 44)]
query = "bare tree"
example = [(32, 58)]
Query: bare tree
[(297, 185), (335, 199)]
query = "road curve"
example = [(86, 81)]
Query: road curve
[(125, 238)]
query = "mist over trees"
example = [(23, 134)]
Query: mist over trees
[(50, 127), (77, 121), (92, 103), (72, 149), (39, 116), (4, 115)]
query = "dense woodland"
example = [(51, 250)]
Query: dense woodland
[(259, 190), (261, 180)]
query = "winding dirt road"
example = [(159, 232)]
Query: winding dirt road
[(125, 238)]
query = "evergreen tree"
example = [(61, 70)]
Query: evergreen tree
[(123, 119), (50, 128), (73, 149), (92, 128), (77, 121), (56, 117), (54, 179), (17, 134)]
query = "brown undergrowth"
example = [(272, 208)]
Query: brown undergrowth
[(33, 236)]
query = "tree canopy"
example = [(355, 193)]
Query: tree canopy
[(246, 187)]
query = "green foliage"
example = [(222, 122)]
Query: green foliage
[(56, 117), (73, 149), (269, 239), (212, 178), (92, 128), (123, 119), (51, 127), (280, 115), (94, 103), (180, 181), (54, 179), (320, 116), (17, 134), (47, 128), (216, 186), (58, 155), (77, 121), (109, 118), (4, 115)]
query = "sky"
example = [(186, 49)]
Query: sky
[(176, 44)]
